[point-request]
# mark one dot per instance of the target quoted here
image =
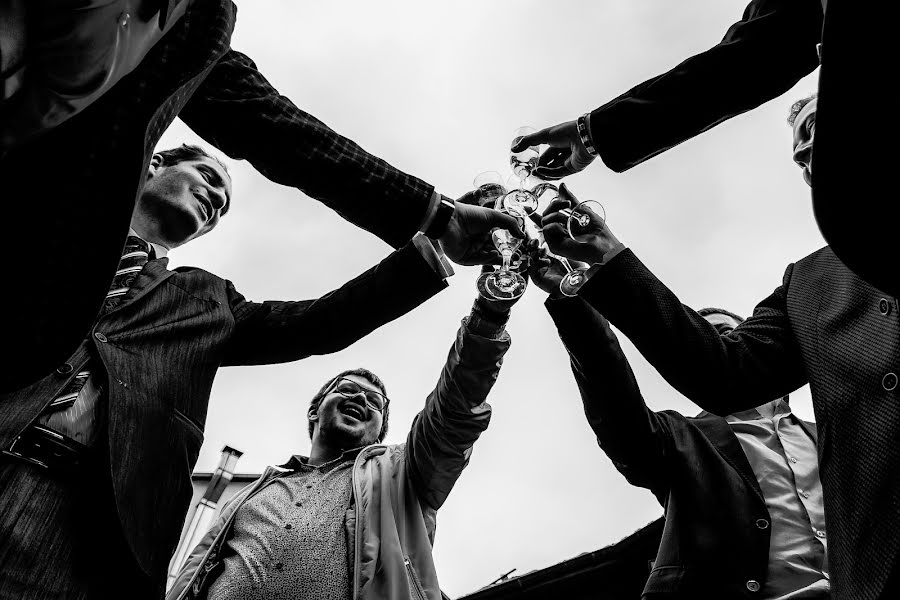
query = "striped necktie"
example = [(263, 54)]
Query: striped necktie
[(136, 254)]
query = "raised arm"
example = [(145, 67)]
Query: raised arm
[(276, 332), (756, 362), (635, 438), (761, 56), (241, 113), (456, 412)]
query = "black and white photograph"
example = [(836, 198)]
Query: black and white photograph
[(428, 300)]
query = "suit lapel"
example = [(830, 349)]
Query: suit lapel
[(719, 432)]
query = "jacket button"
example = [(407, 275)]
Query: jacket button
[(753, 585), (762, 524), (889, 382), (100, 337), (884, 306), (64, 369)]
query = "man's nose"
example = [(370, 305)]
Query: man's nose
[(218, 198), (802, 154)]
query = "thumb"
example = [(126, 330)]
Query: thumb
[(508, 222), (532, 139), (566, 195)]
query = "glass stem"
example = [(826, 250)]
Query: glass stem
[(507, 257), (565, 263)]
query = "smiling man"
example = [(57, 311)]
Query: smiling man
[(355, 519), (100, 452)]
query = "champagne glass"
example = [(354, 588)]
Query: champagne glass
[(489, 186), (545, 193), (573, 279), (519, 201), (503, 283), (525, 161), (583, 218)]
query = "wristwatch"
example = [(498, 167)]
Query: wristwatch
[(441, 219)]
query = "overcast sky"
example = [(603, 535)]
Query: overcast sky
[(436, 89)]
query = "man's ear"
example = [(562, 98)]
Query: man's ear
[(313, 413), (155, 164)]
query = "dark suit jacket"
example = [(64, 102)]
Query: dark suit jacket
[(69, 194), (716, 535), (823, 325), (761, 56), (159, 352)]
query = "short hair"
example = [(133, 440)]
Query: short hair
[(719, 311), (186, 152), (797, 106), (360, 372)]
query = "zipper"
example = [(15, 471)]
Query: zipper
[(356, 534), (414, 585), (216, 544)]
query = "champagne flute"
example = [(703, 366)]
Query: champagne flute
[(489, 186), (524, 161), (503, 283), (519, 201), (574, 278), (584, 217)]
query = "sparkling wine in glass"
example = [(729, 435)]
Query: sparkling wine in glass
[(519, 201), (489, 186)]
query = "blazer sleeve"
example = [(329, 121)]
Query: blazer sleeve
[(237, 110), (442, 435), (758, 361), (282, 331), (635, 438), (761, 56)]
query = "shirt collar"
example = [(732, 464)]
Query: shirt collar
[(751, 414), (298, 461), (161, 251)]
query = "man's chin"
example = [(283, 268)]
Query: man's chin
[(348, 436)]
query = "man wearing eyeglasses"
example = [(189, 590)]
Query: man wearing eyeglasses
[(356, 518)]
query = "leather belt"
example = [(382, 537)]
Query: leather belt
[(47, 449)]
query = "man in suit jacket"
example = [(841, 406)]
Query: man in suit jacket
[(742, 497), (824, 325), (763, 55), (97, 456), (69, 228)]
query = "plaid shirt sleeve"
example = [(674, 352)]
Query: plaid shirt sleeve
[(237, 110)]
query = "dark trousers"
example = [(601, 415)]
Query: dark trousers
[(60, 537)]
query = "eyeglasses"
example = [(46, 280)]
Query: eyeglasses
[(348, 387)]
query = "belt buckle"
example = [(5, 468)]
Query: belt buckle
[(12, 451), (21, 454)]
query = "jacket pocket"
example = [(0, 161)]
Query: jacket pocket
[(415, 586)]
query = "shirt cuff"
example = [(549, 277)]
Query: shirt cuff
[(430, 211), (433, 254)]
